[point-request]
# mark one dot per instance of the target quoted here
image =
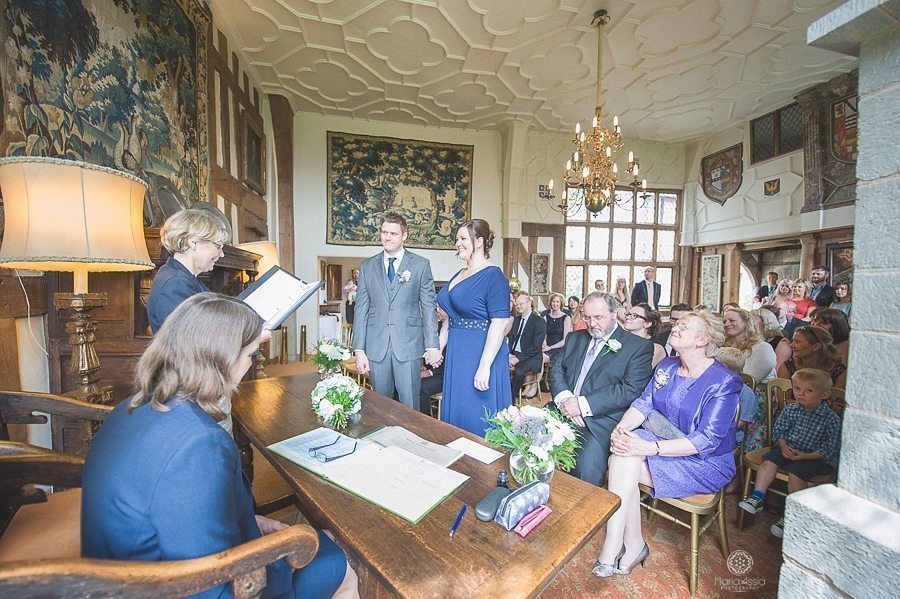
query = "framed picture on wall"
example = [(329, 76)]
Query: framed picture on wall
[(840, 262), (253, 154), (540, 274), (711, 281)]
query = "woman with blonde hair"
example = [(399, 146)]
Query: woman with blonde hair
[(770, 330), (162, 481), (801, 291), (780, 299), (578, 323), (623, 298), (677, 437), (741, 332)]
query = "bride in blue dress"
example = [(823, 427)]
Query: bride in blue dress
[(476, 369)]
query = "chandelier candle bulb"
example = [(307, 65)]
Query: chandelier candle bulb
[(644, 185), (616, 122), (550, 185), (608, 152), (577, 128), (586, 172), (630, 157)]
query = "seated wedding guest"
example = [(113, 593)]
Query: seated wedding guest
[(741, 332), (578, 323), (571, 305), (526, 338), (676, 312), (782, 296), (559, 325), (643, 321), (749, 423), (812, 348), (843, 298), (163, 481), (767, 289), (835, 322), (601, 372), (685, 448), (806, 441), (800, 291), (770, 331), (600, 286), (432, 376)]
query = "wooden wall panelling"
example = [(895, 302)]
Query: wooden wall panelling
[(12, 300)]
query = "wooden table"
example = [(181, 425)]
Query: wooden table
[(395, 558)]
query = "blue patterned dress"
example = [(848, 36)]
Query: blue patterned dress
[(470, 305)]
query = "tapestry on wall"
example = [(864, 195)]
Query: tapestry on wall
[(721, 173), (117, 83), (429, 184)]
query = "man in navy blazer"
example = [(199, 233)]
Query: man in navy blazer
[(602, 371), (640, 293), (526, 339)]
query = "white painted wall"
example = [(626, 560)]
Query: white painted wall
[(310, 200)]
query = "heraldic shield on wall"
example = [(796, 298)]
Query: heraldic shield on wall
[(721, 173)]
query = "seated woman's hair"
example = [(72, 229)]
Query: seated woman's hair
[(819, 378), (751, 333), (193, 351), (652, 317), (715, 330), (189, 224), (782, 282), (478, 227), (813, 335), (837, 320), (574, 297), (771, 328), (733, 358), (806, 284)]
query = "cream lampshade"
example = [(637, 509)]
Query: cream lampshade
[(62, 215)]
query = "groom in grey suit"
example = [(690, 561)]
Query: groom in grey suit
[(601, 372), (395, 321)]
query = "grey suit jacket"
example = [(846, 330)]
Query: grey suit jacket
[(398, 314), (614, 381)]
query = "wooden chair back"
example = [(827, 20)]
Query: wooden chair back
[(778, 393), (837, 401), (347, 334)]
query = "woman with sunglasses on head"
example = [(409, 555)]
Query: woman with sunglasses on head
[(835, 322), (812, 347), (643, 321), (162, 481), (780, 299)]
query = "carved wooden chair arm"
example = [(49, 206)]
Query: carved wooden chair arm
[(244, 565), (19, 407)]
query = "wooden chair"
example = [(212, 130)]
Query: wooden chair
[(837, 401), (347, 334), (531, 378), (436, 405), (41, 546), (778, 394), (350, 369), (705, 505)]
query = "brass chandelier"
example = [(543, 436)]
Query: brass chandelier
[(591, 174)]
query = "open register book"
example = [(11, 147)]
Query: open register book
[(390, 477), (277, 294)]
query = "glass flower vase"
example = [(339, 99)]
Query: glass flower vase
[(327, 371), (526, 468)]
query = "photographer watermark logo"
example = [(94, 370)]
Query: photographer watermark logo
[(739, 564)]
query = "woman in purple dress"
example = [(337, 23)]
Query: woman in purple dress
[(476, 369), (685, 446)]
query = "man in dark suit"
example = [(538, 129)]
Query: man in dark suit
[(675, 314), (822, 292), (526, 338), (602, 371), (642, 290), (768, 288)]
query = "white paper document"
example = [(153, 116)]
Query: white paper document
[(277, 294), (475, 450), (390, 477), (398, 436)]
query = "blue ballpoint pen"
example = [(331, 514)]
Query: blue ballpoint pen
[(458, 520)]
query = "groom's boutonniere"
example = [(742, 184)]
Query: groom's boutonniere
[(613, 345), (405, 276)]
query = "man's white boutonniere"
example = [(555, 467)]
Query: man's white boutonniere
[(405, 276), (613, 345), (661, 379)]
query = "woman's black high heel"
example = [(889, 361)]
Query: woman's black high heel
[(641, 558), (606, 570)]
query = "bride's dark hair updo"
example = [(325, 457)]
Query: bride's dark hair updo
[(479, 227)]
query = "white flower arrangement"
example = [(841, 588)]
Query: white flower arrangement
[(614, 345), (330, 353), (660, 379), (405, 276), (335, 399)]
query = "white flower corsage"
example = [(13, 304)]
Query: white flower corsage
[(661, 379), (405, 276), (613, 345)]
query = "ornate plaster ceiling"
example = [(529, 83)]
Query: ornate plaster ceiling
[(673, 70)]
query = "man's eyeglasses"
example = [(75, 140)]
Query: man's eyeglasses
[(635, 315), (325, 456)]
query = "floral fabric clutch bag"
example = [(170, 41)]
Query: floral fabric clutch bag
[(521, 502)]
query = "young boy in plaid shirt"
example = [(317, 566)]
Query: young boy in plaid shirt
[(805, 441)]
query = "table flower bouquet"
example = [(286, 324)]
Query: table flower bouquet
[(539, 439), (329, 355), (336, 399)]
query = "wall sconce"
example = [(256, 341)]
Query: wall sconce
[(69, 216)]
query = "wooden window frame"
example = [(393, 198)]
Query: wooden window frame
[(776, 132)]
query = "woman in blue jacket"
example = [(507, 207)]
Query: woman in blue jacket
[(163, 481)]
